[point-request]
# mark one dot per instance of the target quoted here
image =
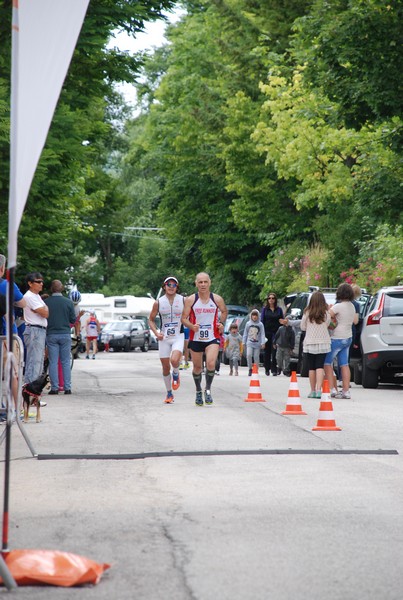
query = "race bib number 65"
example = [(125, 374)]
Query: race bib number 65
[(170, 329)]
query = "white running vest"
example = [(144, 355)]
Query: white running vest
[(171, 314), (206, 315)]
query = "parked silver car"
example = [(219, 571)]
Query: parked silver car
[(382, 340), (126, 335)]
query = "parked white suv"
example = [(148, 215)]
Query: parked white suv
[(382, 340)]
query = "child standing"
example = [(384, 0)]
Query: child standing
[(233, 349), (254, 338), (315, 322), (284, 342)]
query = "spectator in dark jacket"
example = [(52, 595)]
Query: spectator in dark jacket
[(284, 342), (270, 317), (58, 336)]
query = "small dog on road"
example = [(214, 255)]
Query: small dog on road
[(31, 395)]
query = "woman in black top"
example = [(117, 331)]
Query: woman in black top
[(270, 317)]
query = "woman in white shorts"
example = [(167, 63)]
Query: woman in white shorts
[(170, 336)]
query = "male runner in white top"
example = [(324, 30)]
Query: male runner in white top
[(170, 337), (201, 316)]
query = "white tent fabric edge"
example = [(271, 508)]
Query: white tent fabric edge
[(44, 35)]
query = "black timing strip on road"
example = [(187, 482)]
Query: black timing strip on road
[(143, 455)]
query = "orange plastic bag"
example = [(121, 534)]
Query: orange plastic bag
[(51, 567)]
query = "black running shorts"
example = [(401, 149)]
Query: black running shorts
[(201, 346)]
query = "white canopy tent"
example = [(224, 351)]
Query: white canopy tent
[(44, 35)]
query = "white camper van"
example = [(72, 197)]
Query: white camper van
[(111, 308)]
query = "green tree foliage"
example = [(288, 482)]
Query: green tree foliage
[(65, 212), (353, 52), (380, 259), (218, 52), (269, 135), (351, 173)]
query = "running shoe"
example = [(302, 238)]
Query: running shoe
[(186, 365), (199, 399), (169, 399), (333, 393), (346, 395), (175, 381), (312, 395), (208, 399)]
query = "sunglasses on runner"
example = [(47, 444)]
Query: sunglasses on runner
[(171, 284)]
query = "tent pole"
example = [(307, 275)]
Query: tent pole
[(5, 574)]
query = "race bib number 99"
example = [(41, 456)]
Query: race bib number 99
[(205, 333)]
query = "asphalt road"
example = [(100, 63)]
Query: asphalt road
[(230, 502)]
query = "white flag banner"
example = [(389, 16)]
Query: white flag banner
[(44, 35)]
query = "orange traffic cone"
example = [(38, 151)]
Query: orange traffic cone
[(326, 421), (254, 394), (294, 402)]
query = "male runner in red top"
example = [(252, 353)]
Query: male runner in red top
[(200, 315)]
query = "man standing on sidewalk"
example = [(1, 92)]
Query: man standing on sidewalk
[(58, 336), (35, 317)]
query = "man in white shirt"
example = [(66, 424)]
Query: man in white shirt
[(35, 316)]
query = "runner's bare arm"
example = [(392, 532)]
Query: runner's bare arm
[(186, 312), (223, 310), (151, 321)]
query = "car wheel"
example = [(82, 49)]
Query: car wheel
[(126, 347), (369, 377), (145, 347), (304, 366), (358, 374)]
